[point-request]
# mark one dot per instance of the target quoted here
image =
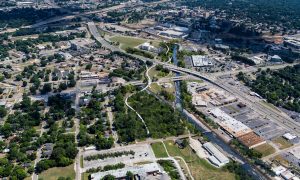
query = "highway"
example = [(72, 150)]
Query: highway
[(105, 10), (212, 137), (279, 117)]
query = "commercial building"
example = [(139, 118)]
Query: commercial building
[(256, 59), (173, 34), (148, 47), (201, 61), (278, 170), (276, 59), (197, 147), (141, 171), (295, 152), (292, 41), (217, 158), (199, 101), (251, 140), (289, 136), (234, 127)]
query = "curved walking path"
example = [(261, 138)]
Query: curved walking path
[(126, 100), (179, 157), (168, 49)]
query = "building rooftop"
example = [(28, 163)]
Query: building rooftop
[(289, 136), (231, 125), (278, 170), (251, 140), (217, 158), (296, 152), (199, 60)]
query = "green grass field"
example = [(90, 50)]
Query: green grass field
[(265, 149), (126, 41), (200, 168), (155, 88), (159, 150), (55, 173), (81, 161), (85, 176)]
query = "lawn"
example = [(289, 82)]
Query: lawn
[(265, 149), (55, 173), (81, 161), (200, 168), (159, 150), (85, 176), (155, 88), (126, 41), (159, 74), (282, 143)]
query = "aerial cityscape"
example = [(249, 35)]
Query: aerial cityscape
[(149, 89)]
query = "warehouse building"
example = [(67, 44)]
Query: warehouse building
[(201, 61), (217, 158), (234, 127)]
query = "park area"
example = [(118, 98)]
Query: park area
[(159, 150), (132, 42), (127, 42), (55, 173), (200, 168)]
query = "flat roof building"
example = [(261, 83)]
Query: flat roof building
[(251, 140), (201, 61), (228, 123), (295, 152), (173, 34), (289, 136), (217, 157), (278, 170)]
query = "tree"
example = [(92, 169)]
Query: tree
[(89, 66), (19, 173), (24, 84), (129, 175), (109, 177), (63, 86), (3, 111), (185, 143), (46, 88)]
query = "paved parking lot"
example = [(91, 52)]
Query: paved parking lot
[(291, 159), (263, 127), (233, 109), (143, 152)]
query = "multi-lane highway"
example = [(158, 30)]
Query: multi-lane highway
[(279, 117), (210, 135), (105, 10)]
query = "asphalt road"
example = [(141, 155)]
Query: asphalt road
[(211, 136)]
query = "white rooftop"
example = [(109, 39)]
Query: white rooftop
[(233, 126), (296, 152), (218, 158), (289, 136), (287, 175), (199, 60), (278, 170)]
